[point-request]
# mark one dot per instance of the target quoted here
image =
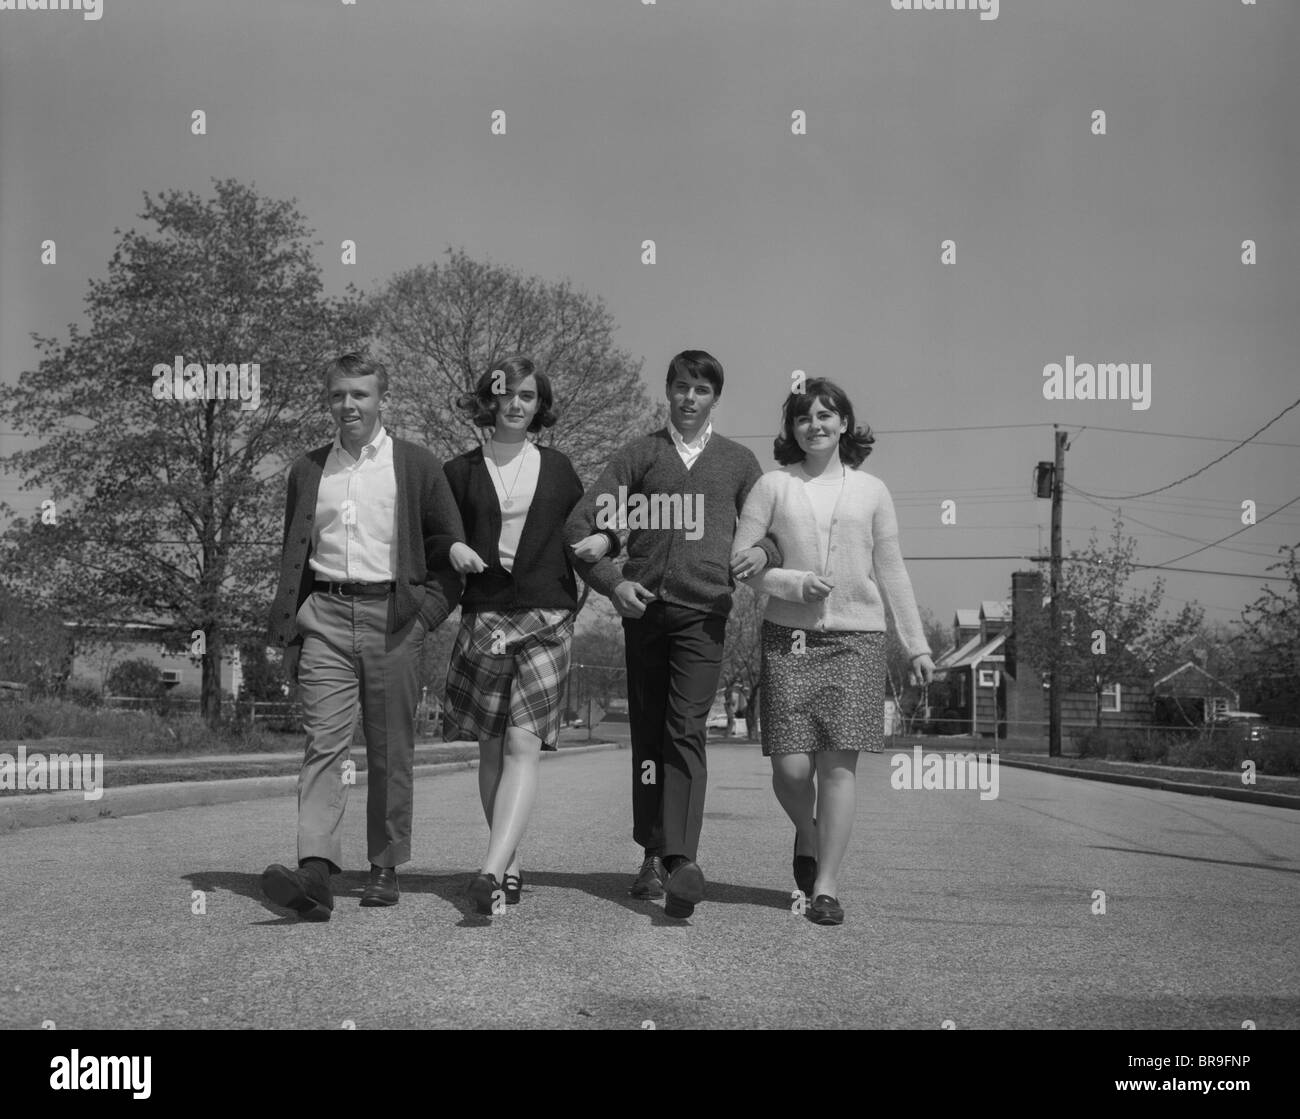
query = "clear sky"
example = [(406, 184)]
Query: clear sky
[(775, 251)]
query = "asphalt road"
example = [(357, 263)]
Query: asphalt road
[(976, 912)]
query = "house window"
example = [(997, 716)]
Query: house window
[(1110, 698), (988, 677), (1218, 706)]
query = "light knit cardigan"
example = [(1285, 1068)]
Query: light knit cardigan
[(864, 557)]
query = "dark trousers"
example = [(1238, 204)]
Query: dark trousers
[(674, 658), (350, 658)]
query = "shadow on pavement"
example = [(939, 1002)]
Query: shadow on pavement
[(451, 889)]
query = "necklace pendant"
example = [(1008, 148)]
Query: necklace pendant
[(509, 502)]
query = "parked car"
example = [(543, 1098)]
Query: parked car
[(1250, 725)]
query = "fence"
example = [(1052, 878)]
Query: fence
[(1148, 736)]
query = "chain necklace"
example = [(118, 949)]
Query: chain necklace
[(509, 498)]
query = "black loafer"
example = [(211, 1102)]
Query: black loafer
[(306, 894), (825, 910), (650, 879), (684, 889), (513, 885), (481, 890), (382, 888)]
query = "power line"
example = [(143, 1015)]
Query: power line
[(1075, 428), (1143, 566), (1184, 435), (1230, 535), (1176, 535), (1194, 473)]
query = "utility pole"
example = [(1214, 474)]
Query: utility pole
[(1054, 691)]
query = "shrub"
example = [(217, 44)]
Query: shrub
[(136, 678), (83, 693)]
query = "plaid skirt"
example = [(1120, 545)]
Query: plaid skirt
[(821, 690), (508, 669)]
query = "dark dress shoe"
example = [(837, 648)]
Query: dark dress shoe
[(382, 887), (306, 894), (825, 910), (481, 890), (650, 879), (513, 885), (685, 887)]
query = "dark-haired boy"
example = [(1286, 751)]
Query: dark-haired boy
[(674, 594)]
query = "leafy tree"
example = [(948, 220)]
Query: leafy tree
[(598, 647), (263, 680), (742, 655), (1270, 645), (34, 647), (172, 510), (1108, 630), (440, 327)]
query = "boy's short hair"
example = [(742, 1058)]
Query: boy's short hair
[(355, 365), (696, 363)]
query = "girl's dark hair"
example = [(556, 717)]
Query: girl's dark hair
[(855, 443), (482, 403)]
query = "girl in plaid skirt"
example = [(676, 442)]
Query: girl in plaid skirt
[(509, 663)]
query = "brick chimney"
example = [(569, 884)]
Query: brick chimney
[(1026, 699)]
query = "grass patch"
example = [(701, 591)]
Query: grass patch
[(136, 733), (1219, 778)]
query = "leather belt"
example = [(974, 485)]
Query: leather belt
[(354, 590)]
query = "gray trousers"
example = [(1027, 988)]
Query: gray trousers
[(349, 657)]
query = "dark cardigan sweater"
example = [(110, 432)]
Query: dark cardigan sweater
[(543, 567), (694, 573), (428, 524)]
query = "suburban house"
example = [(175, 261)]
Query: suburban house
[(975, 669), (98, 648), (993, 693), (1191, 695)]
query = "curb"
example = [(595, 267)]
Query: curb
[(1224, 792), (131, 800)]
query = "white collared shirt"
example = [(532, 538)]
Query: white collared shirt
[(355, 533), (692, 450)]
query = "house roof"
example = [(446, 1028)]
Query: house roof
[(995, 611), (1194, 670), (967, 618), (952, 656), (967, 655)]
